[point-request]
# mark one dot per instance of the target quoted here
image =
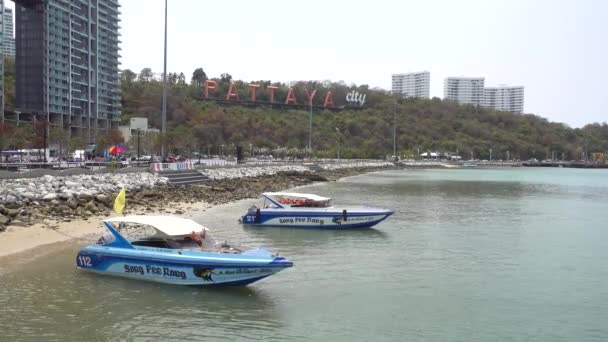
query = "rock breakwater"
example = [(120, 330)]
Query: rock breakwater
[(24, 202)]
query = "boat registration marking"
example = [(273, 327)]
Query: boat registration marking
[(84, 261)]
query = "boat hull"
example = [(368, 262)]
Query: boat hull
[(317, 220), (179, 269)]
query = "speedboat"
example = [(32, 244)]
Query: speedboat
[(297, 210), (174, 250)]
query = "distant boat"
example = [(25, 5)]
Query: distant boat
[(470, 166), (174, 250), (297, 210)]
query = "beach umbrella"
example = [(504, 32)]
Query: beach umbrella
[(113, 150), (120, 149)]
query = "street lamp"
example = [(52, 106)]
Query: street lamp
[(310, 130), (164, 115), (490, 155), (338, 140), (251, 151), (222, 151)]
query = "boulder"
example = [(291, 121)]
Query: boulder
[(4, 220), (3, 210), (64, 196), (2, 228), (85, 196), (72, 203), (13, 212), (102, 198), (90, 206), (17, 223), (49, 197)]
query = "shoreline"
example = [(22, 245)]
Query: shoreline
[(165, 200)]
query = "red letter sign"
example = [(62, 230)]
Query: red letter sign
[(310, 96), (329, 100), (291, 96), (209, 84), (232, 92), (252, 90), (271, 90)]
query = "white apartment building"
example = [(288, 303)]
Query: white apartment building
[(504, 98), (136, 124), (8, 32), (413, 84), (464, 90)]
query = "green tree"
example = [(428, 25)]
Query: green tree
[(181, 79), (75, 143), (60, 137), (127, 76), (226, 77), (146, 75), (9, 82), (199, 77)]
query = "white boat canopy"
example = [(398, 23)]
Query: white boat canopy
[(168, 225), (296, 195)]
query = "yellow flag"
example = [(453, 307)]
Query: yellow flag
[(121, 201)]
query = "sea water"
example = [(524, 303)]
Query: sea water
[(469, 255)]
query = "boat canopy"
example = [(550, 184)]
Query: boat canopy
[(295, 199), (296, 194), (167, 225)]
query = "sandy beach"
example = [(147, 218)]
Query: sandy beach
[(17, 240)]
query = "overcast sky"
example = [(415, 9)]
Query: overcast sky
[(558, 50)]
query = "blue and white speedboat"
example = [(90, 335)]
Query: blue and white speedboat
[(174, 250), (296, 210)]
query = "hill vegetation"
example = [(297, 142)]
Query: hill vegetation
[(421, 124)]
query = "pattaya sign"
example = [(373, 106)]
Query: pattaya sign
[(352, 98), (356, 98)]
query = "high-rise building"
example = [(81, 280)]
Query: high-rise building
[(67, 63), (8, 32), (504, 98), (2, 63), (413, 84), (464, 90)]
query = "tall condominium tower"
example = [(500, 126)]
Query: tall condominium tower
[(9, 38), (504, 98), (464, 90), (413, 84), (67, 63), (2, 63)]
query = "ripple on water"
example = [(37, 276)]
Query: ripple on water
[(471, 255)]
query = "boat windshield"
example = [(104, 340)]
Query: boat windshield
[(147, 236)]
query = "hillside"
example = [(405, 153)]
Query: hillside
[(422, 125)]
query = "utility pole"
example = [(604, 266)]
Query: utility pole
[(310, 131), (395, 130), (490, 155), (44, 135), (138, 159), (508, 157), (164, 115), (586, 151)]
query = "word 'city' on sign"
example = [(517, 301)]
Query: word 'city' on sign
[(353, 97)]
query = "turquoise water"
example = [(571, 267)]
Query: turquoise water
[(470, 255)]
